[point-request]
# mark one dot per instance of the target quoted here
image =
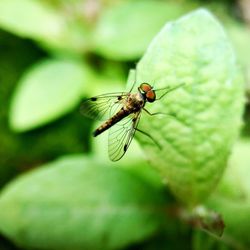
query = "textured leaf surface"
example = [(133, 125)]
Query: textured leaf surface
[(125, 30), (77, 203), (206, 112), (47, 91)]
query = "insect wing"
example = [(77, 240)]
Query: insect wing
[(103, 107), (121, 135)]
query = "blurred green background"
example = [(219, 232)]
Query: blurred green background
[(79, 48)]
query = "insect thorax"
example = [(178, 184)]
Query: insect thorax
[(135, 102)]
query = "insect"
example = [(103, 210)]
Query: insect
[(121, 113)]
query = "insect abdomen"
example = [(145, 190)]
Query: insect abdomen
[(111, 121)]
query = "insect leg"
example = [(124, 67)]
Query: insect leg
[(149, 136), (158, 113)]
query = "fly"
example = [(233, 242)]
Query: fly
[(121, 113)]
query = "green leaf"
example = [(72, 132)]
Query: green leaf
[(232, 197), (203, 241), (204, 115), (29, 18), (55, 27), (124, 30), (47, 91), (240, 35), (79, 203)]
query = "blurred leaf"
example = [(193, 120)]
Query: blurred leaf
[(235, 183), (79, 203), (206, 112), (106, 81), (57, 29), (237, 30), (240, 35), (124, 30), (232, 197), (29, 18), (47, 91), (16, 56), (203, 241)]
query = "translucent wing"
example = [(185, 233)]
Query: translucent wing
[(121, 135), (102, 107)]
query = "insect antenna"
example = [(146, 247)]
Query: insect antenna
[(169, 90), (135, 80)]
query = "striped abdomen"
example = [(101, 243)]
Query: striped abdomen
[(111, 121)]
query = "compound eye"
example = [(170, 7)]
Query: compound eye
[(145, 87), (150, 95)]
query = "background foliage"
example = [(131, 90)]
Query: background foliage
[(53, 54)]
